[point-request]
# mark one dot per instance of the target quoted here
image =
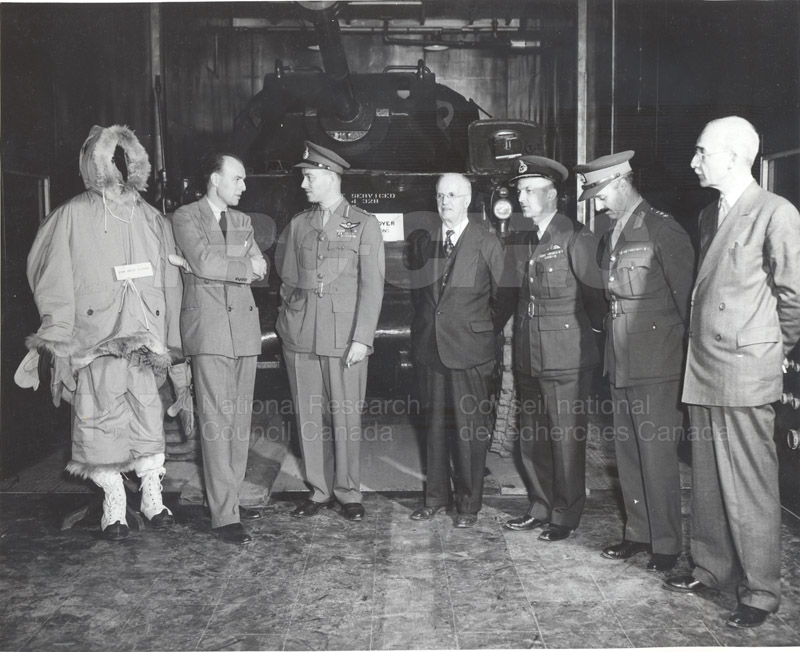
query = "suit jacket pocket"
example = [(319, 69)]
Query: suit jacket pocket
[(481, 325), (655, 344), (759, 335), (344, 308), (291, 317)]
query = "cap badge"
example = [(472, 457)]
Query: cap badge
[(305, 153), (522, 167)]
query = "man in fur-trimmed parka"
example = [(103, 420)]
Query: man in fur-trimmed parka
[(110, 304)]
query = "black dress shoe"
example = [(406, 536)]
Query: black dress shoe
[(747, 616), (163, 519), (466, 520), (116, 531), (555, 533), (625, 550), (683, 584), (659, 562), (426, 513), (247, 514), (353, 511), (526, 522), (232, 533), (310, 508)]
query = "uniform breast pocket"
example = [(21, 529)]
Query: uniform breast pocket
[(343, 256), (307, 255), (554, 272), (636, 275)]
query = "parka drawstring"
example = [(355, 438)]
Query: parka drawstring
[(107, 210)]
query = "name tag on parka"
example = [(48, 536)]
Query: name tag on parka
[(134, 270)]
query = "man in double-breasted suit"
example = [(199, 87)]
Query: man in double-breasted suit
[(551, 269), (456, 272), (331, 261), (647, 266), (745, 320), (221, 333)]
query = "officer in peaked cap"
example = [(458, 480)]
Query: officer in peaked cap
[(551, 271), (597, 174), (322, 158), (539, 166), (647, 266), (331, 262)]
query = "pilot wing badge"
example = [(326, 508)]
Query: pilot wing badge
[(347, 229)]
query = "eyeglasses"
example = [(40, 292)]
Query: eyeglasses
[(703, 155), (449, 195)]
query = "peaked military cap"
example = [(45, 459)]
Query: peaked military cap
[(319, 157), (539, 166), (597, 174)]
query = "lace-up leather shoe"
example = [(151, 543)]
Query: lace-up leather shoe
[(659, 562), (625, 550), (747, 616), (526, 522), (555, 533), (310, 508), (466, 520), (683, 584), (232, 533), (426, 513), (353, 511), (247, 514)]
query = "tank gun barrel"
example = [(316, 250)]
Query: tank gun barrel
[(331, 48)]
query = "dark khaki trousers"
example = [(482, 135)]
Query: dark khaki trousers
[(648, 425)]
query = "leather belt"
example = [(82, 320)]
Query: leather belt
[(627, 306)]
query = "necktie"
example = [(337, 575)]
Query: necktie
[(616, 233), (325, 215), (722, 211), (223, 224), (448, 243)]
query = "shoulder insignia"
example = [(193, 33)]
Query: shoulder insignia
[(360, 210)]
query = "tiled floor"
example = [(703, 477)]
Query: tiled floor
[(329, 584)]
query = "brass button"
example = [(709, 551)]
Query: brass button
[(319, 276), (230, 309), (613, 259), (722, 306), (90, 312), (718, 337), (158, 312), (611, 278)]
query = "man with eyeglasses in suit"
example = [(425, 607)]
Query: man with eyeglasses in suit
[(745, 321), (456, 270)]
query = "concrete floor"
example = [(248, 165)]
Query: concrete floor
[(328, 584)]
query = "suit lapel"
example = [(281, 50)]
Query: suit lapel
[(461, 258), (209, 224), (737, 220)]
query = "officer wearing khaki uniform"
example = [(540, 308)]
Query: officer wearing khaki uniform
[(331, 261), (648, 268)]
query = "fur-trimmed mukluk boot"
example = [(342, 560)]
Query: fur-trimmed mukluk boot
[(115, 503), (150, 470)]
